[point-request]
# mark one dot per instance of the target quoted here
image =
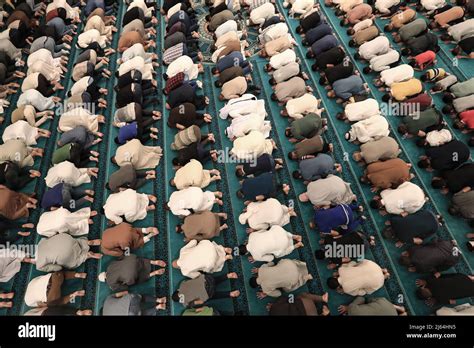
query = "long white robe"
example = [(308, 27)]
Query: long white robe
[(71, 12), (298, 107), (35, 98), (181, 202), (369, 129), (49, 71), (251, 146), (90, 36), (78, 117), (66, 172), (63, 221), (204, 256), (375, 47), (360, 279), (300, 7), (399, 73), (137, 63), (248, 103), (128, 203), (244, 124), (439, 137), (44, 56), (407, 197), (10, 263), (148, 11), (136, 50), (37, 290), (362, 110), (80, 86), (139, 155), (283, 58), (266, 245), (21, 130), (225, 27), (263, 215), (273, 32), (192, 175), (183, 64)]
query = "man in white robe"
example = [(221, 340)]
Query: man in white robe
[(406, 199), (22, 130), (298, 107), (192, 198), (139, 155), (35, 98), (281, 59), (62, 220), (369, 129), (359, 278), (266, 245), (66, 172), (252, 145), (244, 124), (248, 103), (185, 65), (128, 204), (265, 214), (361, 110), (80, 117), (194, 175), (201, 257)]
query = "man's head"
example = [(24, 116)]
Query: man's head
[(243, 249), (376, 204), (253, 282), (239, 172), (424, 163), (423, 293), (402, 129), (320, 254), (297, 174), (240, 194), (333, 283), (405, 260), (175, 297), (438, 183)]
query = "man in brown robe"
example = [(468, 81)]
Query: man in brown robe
[(387, 174), (202, 225), (124, 237), (15, 205)]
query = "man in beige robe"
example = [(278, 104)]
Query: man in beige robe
[(139, 155), (194, 175)]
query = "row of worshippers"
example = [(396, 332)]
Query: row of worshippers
[(201, 256), (121, 236), (336, 214), (66, 218), (46, 65), (249, 131), (399, 197), (451, 23), (371, 276), (19, 24), (137, 159)]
